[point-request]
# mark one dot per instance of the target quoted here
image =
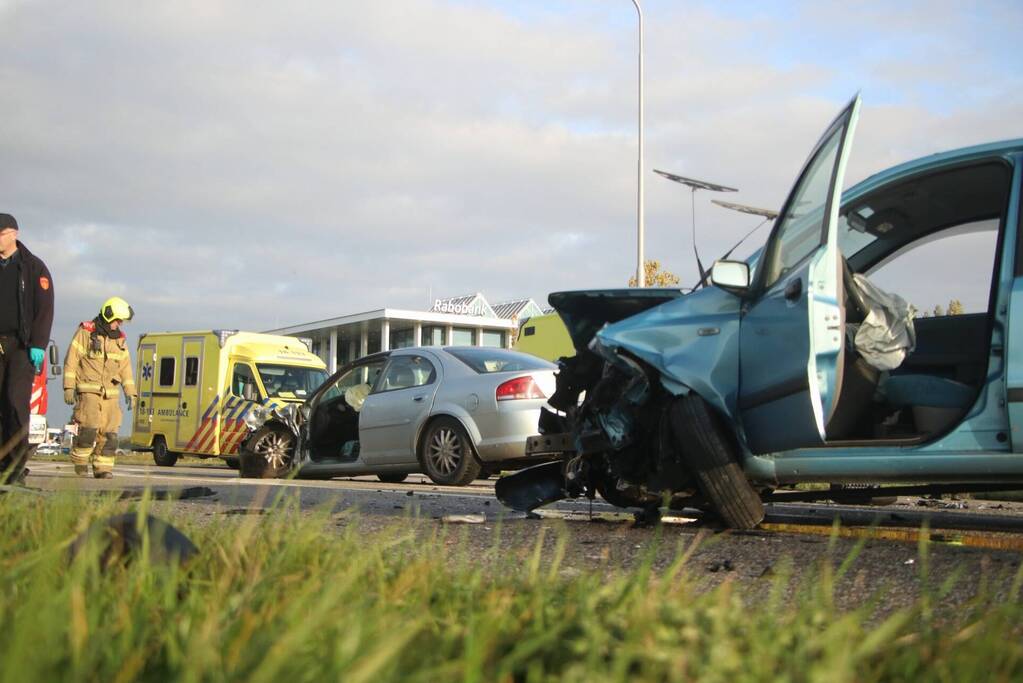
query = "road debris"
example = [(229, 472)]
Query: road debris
[(464, 519), (123, 537)]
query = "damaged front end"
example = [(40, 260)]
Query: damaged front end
[(289, 416), (636, 352)]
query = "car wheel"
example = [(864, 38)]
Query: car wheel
[(446, 454), (393, 477), (712, 457), (161, 456), (267, 454)]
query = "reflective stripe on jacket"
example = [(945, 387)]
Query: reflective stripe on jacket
[(98, 367)]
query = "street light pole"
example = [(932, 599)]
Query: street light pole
[(640, 270)]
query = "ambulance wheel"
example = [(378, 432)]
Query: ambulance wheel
[(232, 462), (161, 456), (268, 454)]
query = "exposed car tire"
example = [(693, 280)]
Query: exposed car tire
[(446, 454), (232, 461), (267, 454), (393, 477), (161, 456), (712, 457)]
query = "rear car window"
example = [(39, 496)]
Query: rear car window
[(485, 360)]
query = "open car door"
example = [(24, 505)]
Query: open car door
[(792, 334)]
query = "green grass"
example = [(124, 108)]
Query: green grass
[(292, 597)]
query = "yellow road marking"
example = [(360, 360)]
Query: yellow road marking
[(974, 539)]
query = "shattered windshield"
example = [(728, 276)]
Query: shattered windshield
[(289, 381)]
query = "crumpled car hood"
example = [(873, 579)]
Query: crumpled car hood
[(692, 340), (585, 312)]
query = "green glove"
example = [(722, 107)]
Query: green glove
[(69, 396), (36, 354)]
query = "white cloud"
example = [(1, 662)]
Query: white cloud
[(228, 164)]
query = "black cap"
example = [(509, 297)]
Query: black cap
[(7, 221)]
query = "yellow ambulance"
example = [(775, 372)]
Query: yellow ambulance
[(195, 388)]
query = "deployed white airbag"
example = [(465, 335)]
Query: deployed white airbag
[(355, 396), (886, 335)]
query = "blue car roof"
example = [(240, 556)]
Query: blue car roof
[(933, 161)]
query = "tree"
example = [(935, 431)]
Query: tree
[(955, 307), (938, 311), (654, 276)]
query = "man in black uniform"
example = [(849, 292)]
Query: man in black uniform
[(26, 315)]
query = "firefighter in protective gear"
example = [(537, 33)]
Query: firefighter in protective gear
[(96, 368)]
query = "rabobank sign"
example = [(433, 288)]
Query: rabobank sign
[(476, 308)]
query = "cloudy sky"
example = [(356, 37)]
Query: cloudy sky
[(255, 164)]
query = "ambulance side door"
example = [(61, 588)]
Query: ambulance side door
[(188, 409), (146, 369)]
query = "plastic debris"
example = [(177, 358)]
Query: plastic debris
[(464, 519)]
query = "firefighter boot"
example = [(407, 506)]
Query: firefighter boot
[(103, 461), (81, 452)]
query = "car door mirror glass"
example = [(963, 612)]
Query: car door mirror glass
[(730, 275)]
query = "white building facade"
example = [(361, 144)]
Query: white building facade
[(459, 321)]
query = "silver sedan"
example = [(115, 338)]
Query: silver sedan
[(455, 413)]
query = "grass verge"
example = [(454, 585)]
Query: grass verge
[(297, 598)]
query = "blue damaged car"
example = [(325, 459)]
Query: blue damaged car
[(804, 363)]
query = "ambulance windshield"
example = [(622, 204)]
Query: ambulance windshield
[(289, 381)]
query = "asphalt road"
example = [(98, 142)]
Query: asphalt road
[(372, 496), (368, 494)]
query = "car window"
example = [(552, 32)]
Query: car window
[(932, 238), (365, 373), (801, 229), (485, 360), (405, 372), (964, 256)]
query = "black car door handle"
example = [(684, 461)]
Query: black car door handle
[(793, 289), (418, 398)]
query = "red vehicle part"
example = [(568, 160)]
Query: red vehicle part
[(38, 403)]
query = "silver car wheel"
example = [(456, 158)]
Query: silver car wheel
[(445, 451), (274, 448)]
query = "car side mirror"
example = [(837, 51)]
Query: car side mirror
[(249, 392), (55, 370), (731, 276), (54, 355)]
